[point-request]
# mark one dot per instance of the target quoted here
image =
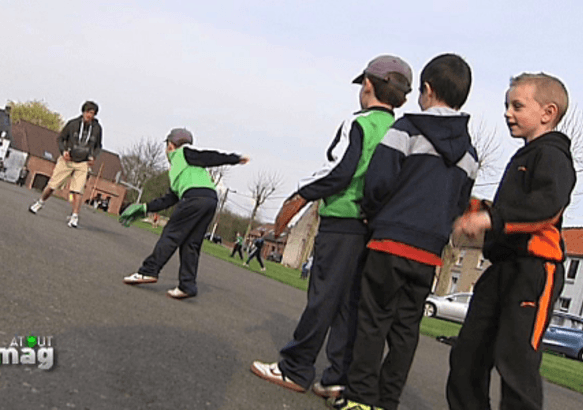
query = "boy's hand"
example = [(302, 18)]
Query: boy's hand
[(67, 156), (472, 224), (244, 160), (132, 213)]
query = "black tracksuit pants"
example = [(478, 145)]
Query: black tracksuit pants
[(184, 231), (393, 293), (392, 297), (256, 254), (332, 306), (237, 249), (507, 318)]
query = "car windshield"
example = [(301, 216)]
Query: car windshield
[(568, 322)]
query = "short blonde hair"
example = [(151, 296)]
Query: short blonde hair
[(548, 89)]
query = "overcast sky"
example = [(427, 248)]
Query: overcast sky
[(271, 79)]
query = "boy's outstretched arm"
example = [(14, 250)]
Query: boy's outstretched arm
[(166, 201), (207, 159), (343, 156)]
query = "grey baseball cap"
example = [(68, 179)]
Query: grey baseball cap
[(180, 136), (381, 66)]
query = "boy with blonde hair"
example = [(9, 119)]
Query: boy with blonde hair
[(514, 297)]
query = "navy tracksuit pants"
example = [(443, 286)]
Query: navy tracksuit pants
[(507, 318), (332, 306), (184, 231)]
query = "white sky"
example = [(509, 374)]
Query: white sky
[(270, 79)]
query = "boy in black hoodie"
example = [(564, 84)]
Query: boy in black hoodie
[(514, 298), (419, 180)]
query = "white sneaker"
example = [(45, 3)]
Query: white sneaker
[(271, 373), (73, 221), (137, 278), (34, 208), (327, 391)]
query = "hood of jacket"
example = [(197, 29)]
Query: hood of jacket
[(554, 138), (447, 133)]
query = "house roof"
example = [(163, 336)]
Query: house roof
[(573, 238), (42, 143)]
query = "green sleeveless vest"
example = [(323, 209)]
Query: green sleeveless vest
[(184, 176), (345, 204)]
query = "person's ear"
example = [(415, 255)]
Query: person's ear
[(550, 113)]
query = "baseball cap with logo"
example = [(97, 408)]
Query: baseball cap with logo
[(180, 136), (381, 66)]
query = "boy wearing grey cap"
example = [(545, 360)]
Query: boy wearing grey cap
[(340, 244), (418, 181), (193, 190)]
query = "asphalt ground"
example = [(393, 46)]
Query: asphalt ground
[(131, 347)]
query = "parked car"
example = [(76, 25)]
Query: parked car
[(216, 238), (565, 335), (451, 307), (275, 257)]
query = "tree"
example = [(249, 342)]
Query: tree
[(36, 112), (142, 161), (262, 188), (572, 126), (218, 173)]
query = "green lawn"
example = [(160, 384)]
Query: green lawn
[(556, 369)]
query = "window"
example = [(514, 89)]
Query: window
[(481, 262), (460, 258), (573, 268), (564, 304), (453, 286)]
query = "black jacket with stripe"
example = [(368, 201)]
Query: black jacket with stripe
[(420, 179), (528, 208)]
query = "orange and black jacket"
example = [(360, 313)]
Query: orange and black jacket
[(528, 208)]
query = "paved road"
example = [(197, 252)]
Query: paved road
[(123, 347)]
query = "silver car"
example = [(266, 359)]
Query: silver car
[(451, 307), (565, 335)]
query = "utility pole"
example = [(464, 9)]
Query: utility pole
[(220, 210)]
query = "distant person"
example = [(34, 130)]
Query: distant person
[(256, 252), (340, 245), (306, 267), (418, 182), (237, 248), (22, 176), (79, 144), (155, 220), (194, 194), (513, 299)]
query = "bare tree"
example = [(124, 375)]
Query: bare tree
[(487, 146), (218, 173), (262, 188), (142, 161), (572, 126)]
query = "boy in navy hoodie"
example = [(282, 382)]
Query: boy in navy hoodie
[(418, 181), (514, 297)]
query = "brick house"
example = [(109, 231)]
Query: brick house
[(571, 299), (36, 148)]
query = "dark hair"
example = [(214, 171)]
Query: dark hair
[(450, 78), (89, 106), (392, 91)]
